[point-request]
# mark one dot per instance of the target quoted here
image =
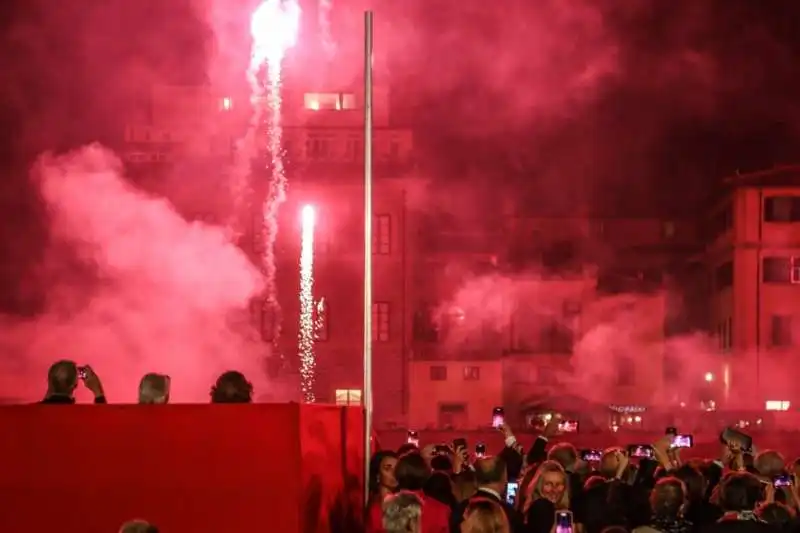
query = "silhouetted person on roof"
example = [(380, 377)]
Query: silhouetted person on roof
[(232, 387), (63, 378)]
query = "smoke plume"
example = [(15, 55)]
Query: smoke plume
[(132, 288)]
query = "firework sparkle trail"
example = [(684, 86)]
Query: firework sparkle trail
[(308, 325), (274, 27)]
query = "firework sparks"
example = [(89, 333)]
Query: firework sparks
[(307, 305), (274, 27)]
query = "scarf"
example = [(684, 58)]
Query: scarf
[(671, 525)]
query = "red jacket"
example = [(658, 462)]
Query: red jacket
[(435, 516)]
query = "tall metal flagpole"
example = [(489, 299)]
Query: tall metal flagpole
[(367, 396)]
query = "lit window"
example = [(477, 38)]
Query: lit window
[(226, 104), (380, 322), (345, 397), (382, 235), (472, 373), (329, 101), (778, 405)]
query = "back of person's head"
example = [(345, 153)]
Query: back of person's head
[(490, 471), (464, 485), (614, 529), (693, 480), (406, 448), (411, 472), (609, 462), (402, 513), (776, 514), (594, 481), (740, 491), (154, 388), (62, 378), (769, 463), (668, 498), (440, 488), (441, 463), (484, 516), (138, 526), (564, 454), (232, 387)]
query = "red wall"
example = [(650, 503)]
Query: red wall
[(186, 468)]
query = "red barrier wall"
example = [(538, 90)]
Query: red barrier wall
[(186, 468)]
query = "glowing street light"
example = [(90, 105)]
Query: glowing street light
[(709, 377)]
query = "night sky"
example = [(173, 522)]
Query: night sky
[(640, 105)]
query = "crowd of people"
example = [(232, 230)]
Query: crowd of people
[(444, 488)]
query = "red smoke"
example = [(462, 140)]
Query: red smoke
[(162, 294)]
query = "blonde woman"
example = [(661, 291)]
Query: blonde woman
[(550, 483), (484, 516)]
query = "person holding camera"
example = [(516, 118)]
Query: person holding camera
[(63, 378)]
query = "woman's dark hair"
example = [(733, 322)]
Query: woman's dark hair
[(693, 480), (776, 514), (411, 472), (375, 468), (440, 488), (232, 387), (667, 498), (740, 491)]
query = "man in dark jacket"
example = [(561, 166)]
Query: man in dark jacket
[(492, 478)]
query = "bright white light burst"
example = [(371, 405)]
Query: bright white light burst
[(305, 342), (274, 27)]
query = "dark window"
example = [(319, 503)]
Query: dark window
[(782, 209), (723, 276), (380, 321), (781, 331), (626, 372), (382, 235), (425, 329), (721, 221), (438, 373), (725, 335), (777, 269), (472, 373)]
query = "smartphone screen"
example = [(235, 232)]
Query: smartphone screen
[(564, 522), (731, 435), (498, 417), (480, 450), (511, 492), (591, 456), (413, 438), (82, 372), (682, 441), (641, 450), (783, 480), (568, 426)]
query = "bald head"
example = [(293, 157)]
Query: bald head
[(62, 378), (491, 471)]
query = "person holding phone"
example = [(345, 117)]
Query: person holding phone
[(63, 378)]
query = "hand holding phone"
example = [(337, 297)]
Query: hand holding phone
[(413, 438), (682, 441), (564, 522)]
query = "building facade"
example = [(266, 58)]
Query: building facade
[(185, 146), (753, 257)]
